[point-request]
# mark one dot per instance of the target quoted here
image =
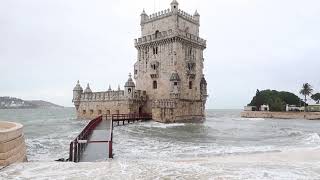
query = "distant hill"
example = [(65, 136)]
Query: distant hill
[(16, 103)]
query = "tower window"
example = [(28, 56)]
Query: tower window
[(190, 84), (174, 7), (155, 50), (135, 71), (129, 90), (175, 83), (155, 85), (154, 66)]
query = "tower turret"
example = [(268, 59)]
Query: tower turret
[(196, 16), (203, 88), (174, 6), (129, 87), (144, 16), (88, 90), (77, 91)]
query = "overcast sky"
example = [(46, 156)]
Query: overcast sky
[(47, 45)]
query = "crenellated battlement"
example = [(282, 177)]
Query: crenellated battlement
[(167, 13), (158, 15), (188, 16), (111, 95), (169, 34)]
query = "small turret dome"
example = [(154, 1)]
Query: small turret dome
[(78, 87), (203, 80), (196, 13), (143, 13), (88, 90), (130, 82), (174, 2), (175, 76)]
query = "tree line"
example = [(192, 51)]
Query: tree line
[(277, 100)]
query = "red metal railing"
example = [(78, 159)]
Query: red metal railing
[(76, 147)]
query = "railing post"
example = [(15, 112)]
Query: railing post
[(71, 151)]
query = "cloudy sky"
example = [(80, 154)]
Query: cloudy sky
[(47, 45)]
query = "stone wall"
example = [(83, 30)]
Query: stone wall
[(169, 111), (12, 144), (281, 115)]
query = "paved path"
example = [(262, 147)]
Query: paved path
[(98, 151)]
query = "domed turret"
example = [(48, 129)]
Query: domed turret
[(78, 87), (77, 91), (144, 16), (174, 6), (196, 16), (87, 90), (203, 87), (129, 87), (130, 82)]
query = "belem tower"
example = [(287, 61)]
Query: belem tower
[(169, 80)]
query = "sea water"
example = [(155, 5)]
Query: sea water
[(225, 146)]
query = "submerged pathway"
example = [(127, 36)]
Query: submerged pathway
[(94, 143), (97, 147)]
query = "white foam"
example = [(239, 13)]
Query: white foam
[(161, 125)]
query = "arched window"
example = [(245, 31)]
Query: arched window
[(155, 50), (129, 90), (155, 85), (157, 33)]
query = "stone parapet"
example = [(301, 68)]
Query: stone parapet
[(111, 96), (166, 13), (12, 144), (281, 115), (167, 35)]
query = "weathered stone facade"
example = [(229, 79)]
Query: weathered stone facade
[(169, 71)]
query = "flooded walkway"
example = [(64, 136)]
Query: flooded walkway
[(98, 146)]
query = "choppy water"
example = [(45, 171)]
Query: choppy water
[(224, 147)]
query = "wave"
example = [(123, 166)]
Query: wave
[(160, 125), (250, 119)]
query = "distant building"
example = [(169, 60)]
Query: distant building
[(254, 108), (294, 108), (250, 108), (264, 107), (313, 108), (168, 72)]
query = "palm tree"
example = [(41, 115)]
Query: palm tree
[(306, 91), (316, 97)]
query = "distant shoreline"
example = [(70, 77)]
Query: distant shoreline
[(281, 115)]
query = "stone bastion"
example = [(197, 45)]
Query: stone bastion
[(12, 144)]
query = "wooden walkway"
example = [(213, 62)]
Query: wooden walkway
[(94, 143)]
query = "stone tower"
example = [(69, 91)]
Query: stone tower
[(169, 65)]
